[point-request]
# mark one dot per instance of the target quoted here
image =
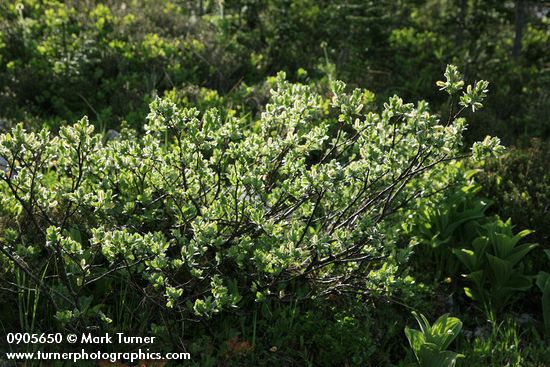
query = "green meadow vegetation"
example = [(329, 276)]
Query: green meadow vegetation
[(278, 182)]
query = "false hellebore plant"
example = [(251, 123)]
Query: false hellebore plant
[(201, 214)]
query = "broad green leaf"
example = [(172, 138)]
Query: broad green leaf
[(519, 252), (501, 269), (447, 329), (430, 356), (416, 339), (467, 257), (542, 280)]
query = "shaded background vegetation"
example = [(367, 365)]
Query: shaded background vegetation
[(107, 59)]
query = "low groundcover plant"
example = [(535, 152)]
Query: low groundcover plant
[(203, 214)]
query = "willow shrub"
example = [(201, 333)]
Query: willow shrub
[(203, 214)]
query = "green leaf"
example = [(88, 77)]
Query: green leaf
[(416, 339), (519, 252), (447, 328), (467, 257), (423, 322), (501, 269), (430, 356), (542, 280)]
